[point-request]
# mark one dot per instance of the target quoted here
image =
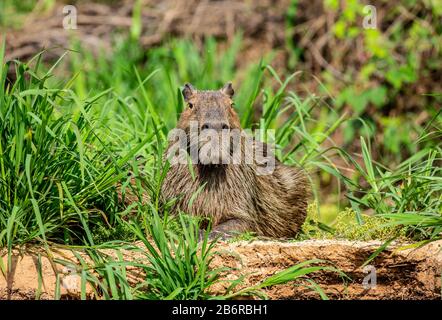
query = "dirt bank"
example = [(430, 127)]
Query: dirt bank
[(400, 274)]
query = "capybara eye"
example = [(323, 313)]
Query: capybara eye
[(190, 105)]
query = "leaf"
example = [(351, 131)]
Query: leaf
[(378, 96)]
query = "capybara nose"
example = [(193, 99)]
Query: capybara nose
[(215, 125)]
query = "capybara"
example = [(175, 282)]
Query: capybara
[(236, 197)]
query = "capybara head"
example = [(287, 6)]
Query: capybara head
[(211, 109), (211, 114)]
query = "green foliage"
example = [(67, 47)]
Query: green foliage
[(178, 266), (13, 13), (75, 153), (410, 194), (133, 119), (246, 236), (391, 60), (56, 177)]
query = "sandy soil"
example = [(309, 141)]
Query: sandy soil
[(400, 274)]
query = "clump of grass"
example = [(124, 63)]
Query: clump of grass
[(178, 265), (102, 233), (175, 265), (346, 227), (148, 96), (409, 195), (57, 178)]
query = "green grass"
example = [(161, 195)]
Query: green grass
[(409, 194), (71, 143), (14, 13), (297, 273), (56, 176), (346, 227)]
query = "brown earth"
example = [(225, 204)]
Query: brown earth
[(401, 273)]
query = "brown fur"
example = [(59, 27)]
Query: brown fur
[(235, 197)]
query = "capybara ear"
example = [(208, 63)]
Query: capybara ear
[(228, 89), (188, 91)]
